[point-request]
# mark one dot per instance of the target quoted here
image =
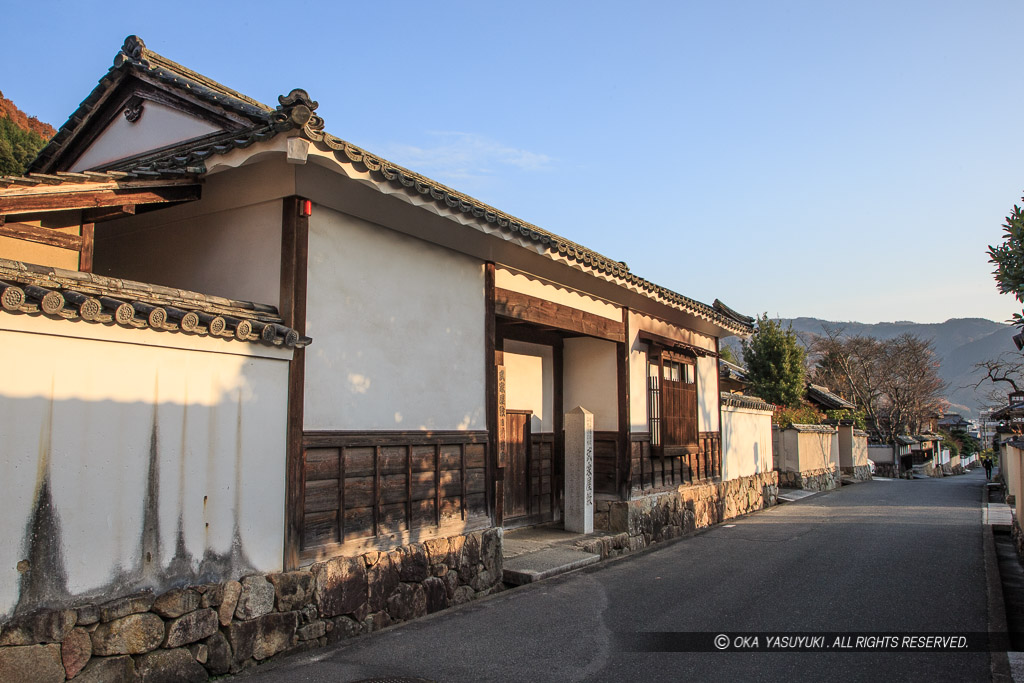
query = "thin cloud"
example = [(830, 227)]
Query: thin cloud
[(464, 156)]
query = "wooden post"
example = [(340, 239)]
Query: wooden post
[(624, 462), (85, 256), (294, 262), (491, 388)]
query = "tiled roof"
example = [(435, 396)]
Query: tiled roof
[(824, 397), (744, 401), (62, 178), (905, 440), (134, 57), (295, 112), (73, 295), (813, 429)]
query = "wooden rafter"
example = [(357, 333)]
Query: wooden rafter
[(51, 198)]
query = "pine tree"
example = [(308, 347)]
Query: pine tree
[(775, 363)]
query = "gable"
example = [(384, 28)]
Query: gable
[(144, 127)]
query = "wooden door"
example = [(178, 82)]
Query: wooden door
[(517, 466)]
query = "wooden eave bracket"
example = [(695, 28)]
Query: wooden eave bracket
[(31, 200)]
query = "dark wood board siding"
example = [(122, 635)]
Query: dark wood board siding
[(364, 485), (491, 361), (650, 471), (542, 477), (606, 449)]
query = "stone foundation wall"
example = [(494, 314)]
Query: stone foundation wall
[(811, 480), (885, 469), (858, 472), (192, 633), (657, 517)]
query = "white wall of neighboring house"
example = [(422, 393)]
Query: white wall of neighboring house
[(806, 448), (708, 395), (746, 442), (158, 126), (590, 376), (399, 330), (880, 453), (529, 382), (139, 457)]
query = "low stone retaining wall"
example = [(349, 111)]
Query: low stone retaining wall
[(811, 480), (657, 517), (885, 469), (858, 472), (192, 633)]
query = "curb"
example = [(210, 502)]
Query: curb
[(999, 662)]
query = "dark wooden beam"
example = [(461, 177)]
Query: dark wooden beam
[(294, 260), (33, 233), (108, 213), (558, 423), (674, 344), (491, 390), (91, 199), (625, 459), (542, 312)]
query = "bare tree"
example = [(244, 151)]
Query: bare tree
[(1004, 374), (895, 382)]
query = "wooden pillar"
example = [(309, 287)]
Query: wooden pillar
[(623, 465), (491, 388), (294, 261), (85, 255), (558, 424)]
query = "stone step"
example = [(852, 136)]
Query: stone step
[(793, 495), (543, 564)]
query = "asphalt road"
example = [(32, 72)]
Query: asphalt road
[(883, 556)]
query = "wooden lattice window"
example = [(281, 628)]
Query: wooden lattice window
[(672, 403)]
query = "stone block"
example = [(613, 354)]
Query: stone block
[(414, 567), (256, 598), (42, 626), (376, 621), (88, 615), (200, 652), (341, 628), (261, 638), (31, 663), (470, 557), (130, 604), (451, 582), (463, 594), (382, 579), (408, 602), (312, 631), (229, 601), (170, 666), (75, 651), (120, 669), (177, 602), (212, 594), (218, 654), (293, 590), (130, 635), (436, 594), (490, 550), (339, 586), (191, 627)]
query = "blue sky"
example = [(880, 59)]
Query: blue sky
[(849, 161)]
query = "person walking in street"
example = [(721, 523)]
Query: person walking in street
[(988, 469)]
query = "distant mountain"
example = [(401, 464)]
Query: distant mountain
[(959, 344), (21, 137)]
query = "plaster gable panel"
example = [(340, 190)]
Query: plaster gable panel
[(526, 284), (158, 126)]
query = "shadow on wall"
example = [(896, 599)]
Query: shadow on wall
[(104, 497)]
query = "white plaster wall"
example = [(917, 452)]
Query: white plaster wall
[(398, 325), (506, 278), (746, 442), (590, 379), (529, 382), (880, 453), (234, 253), (1011, 477), (95, 410), (666, 329), (708, 395), (638, 418), (158, 126)]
